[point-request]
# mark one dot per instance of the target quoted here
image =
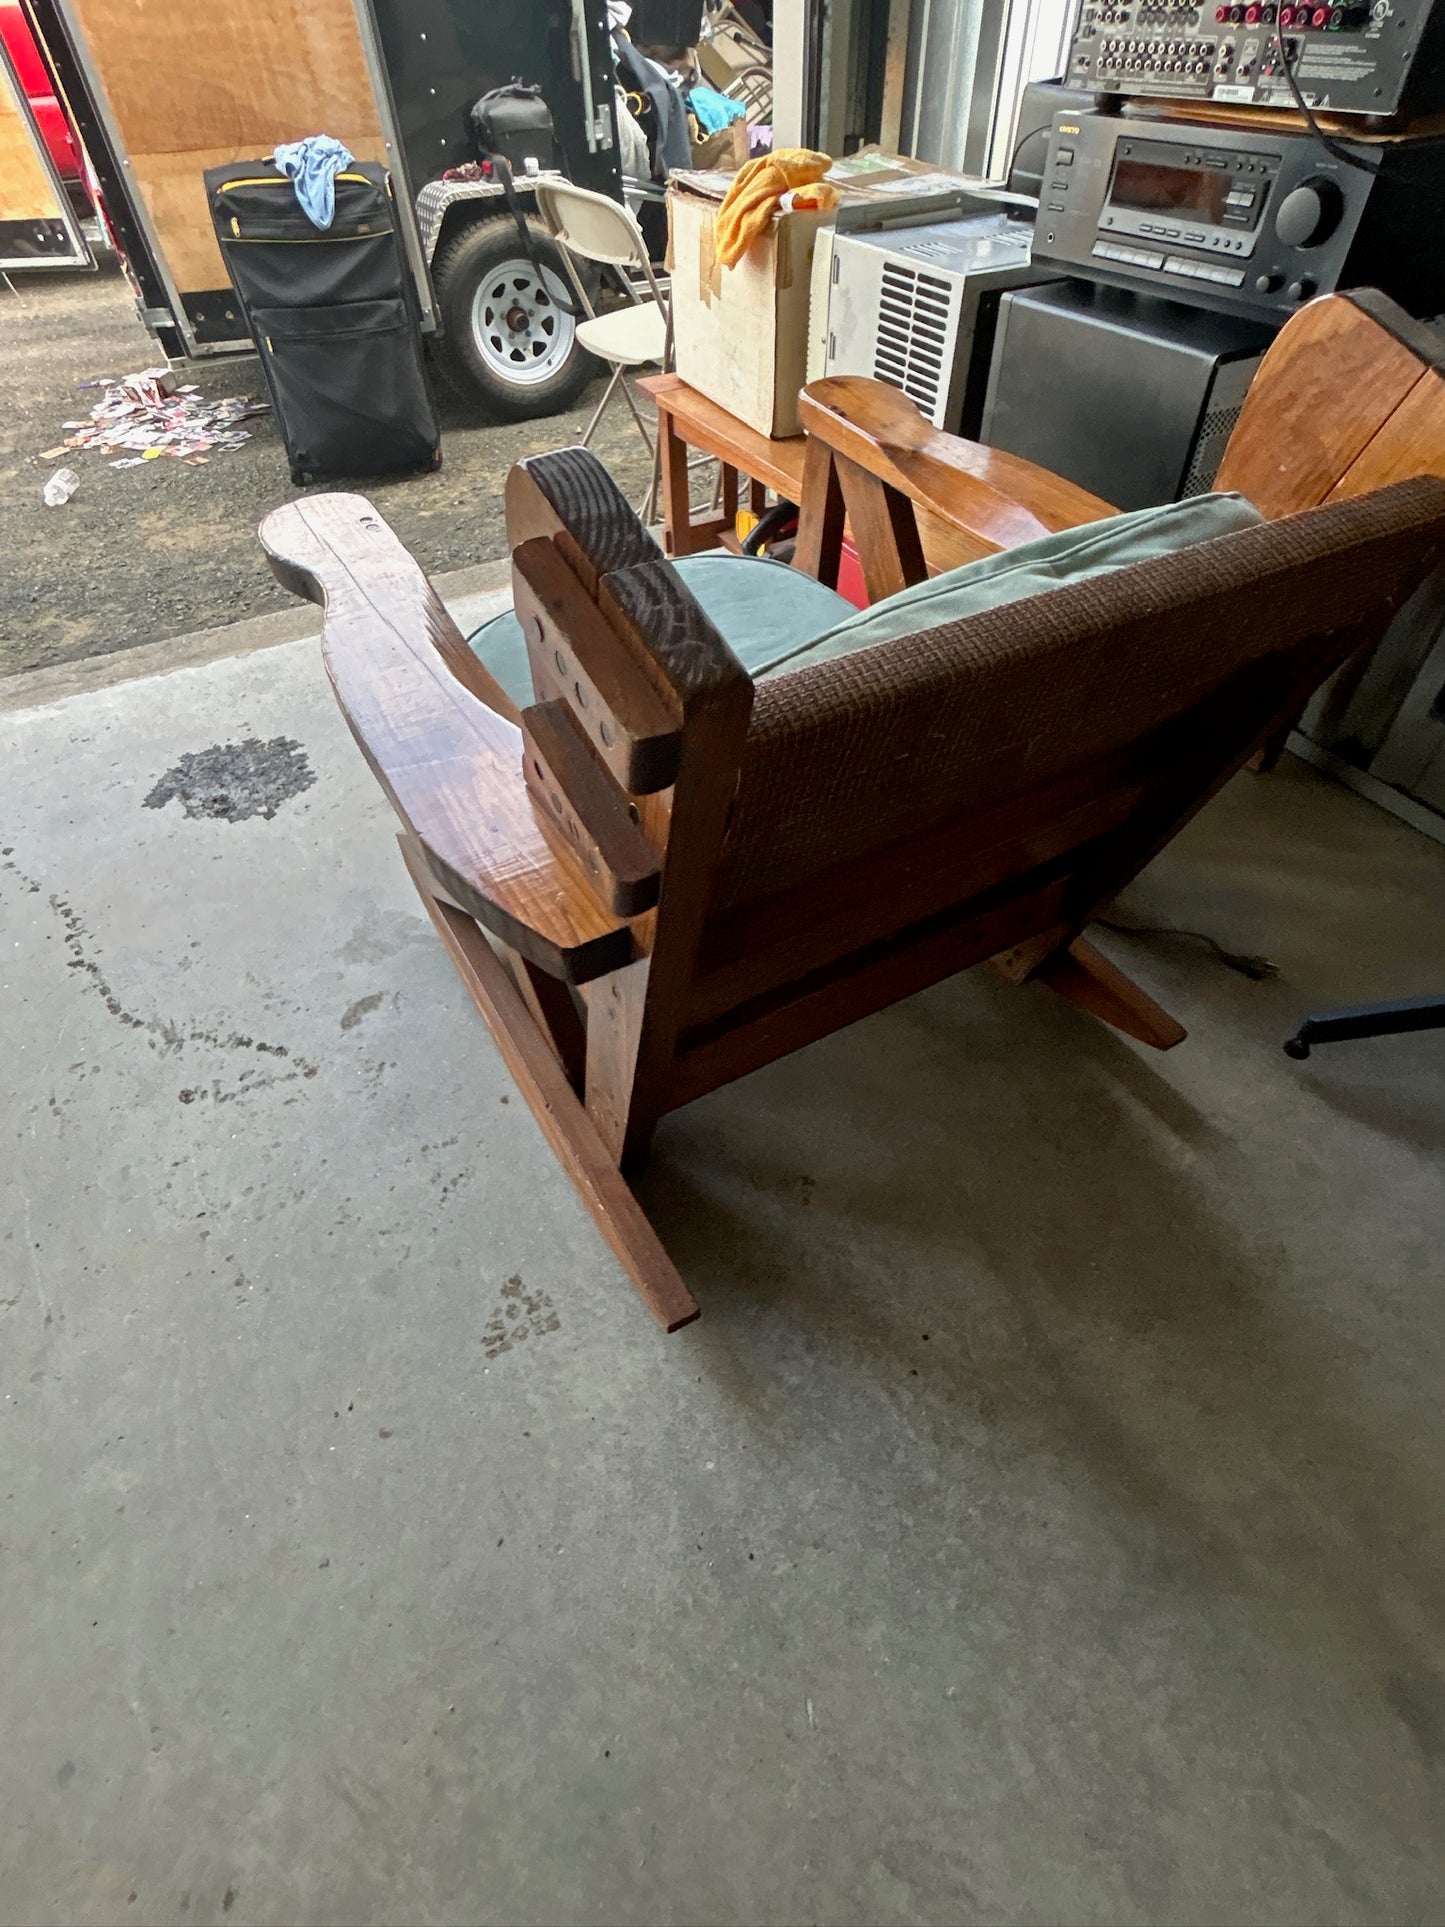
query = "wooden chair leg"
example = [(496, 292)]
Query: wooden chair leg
[(1085, 978), (565, 1123), (550, 1003), (676, 498)]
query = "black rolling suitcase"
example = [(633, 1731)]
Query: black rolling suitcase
[(333, 313)]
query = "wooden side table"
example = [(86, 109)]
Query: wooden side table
[(686, 419)]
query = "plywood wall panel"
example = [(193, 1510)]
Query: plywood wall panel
[(192, 86)]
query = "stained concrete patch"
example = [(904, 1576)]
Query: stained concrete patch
[(363, 1007), (520, 1314), (233, 781)]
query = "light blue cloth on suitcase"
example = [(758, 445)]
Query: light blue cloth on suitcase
[(313, 165)]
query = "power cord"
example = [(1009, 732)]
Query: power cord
[(1257, 969), (1327, 141)]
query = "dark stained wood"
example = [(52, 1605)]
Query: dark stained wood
[(676, 487), (564, 1122), (703, 425), (450, 763), (885, 531), (598, 531), (748, 952), (633, 1023), (553, 1008), (1084, 977), (567, 779), (716, 982), (998, 499), (821, 516), (575, 655), (857, 986)]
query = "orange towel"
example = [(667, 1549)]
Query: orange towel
[(750, 203)]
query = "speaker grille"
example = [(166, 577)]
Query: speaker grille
[(1214, 433)]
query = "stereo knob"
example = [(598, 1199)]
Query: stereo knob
[(1269, 283), (1300, 290), (1309, 213)]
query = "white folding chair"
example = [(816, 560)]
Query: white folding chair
[(591, 227)]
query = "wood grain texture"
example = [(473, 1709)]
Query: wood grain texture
[(998, 499), (416, 700), (551, 1004), (820, 516), (598, 530), (252, 75), (550, 1097), (577, 656), (1331, 382), (567, 780), (885, 531), (703, 425), (866, 981), (633, 1026)]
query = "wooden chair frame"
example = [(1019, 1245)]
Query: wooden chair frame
[(603, 867), (1350, 397)]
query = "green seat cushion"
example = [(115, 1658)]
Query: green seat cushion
[(774, 618), (764, 611), (1072, 555)]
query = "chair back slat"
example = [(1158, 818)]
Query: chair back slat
[(1323, 415)]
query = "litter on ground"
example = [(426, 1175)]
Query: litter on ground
[(150, 414)]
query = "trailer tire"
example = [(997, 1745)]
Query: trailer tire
[(504, 340)]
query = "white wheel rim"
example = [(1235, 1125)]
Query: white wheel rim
[(521, 333)]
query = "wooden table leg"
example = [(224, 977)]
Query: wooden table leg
[(677, 528)]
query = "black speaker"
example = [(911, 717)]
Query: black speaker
[(1130, 396)]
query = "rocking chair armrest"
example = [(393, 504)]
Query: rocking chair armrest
[(439, 734), (997, 500)]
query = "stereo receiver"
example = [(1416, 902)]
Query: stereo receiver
[(1242, 221), (1385, 58)]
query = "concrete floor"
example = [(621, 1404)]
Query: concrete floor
[(1043, 1524)]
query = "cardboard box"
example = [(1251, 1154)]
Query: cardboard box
[(741, 334)]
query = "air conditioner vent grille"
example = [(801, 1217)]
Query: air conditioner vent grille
[(912, 344)]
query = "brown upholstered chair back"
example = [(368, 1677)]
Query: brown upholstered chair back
[(862, 752)]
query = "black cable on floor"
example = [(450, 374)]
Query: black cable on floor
[(1258, 969)]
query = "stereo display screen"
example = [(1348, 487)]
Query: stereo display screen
[(1195, 193)]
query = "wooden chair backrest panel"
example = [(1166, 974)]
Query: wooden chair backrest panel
[(1349, 397), (1011, 866), (968, 755)]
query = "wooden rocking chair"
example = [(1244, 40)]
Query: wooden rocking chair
[(685, 876)]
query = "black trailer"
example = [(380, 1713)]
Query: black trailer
[(160, 93)]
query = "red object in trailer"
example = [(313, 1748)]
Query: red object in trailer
[(34, 77)]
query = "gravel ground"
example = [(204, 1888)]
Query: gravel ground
[(141, 554)]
